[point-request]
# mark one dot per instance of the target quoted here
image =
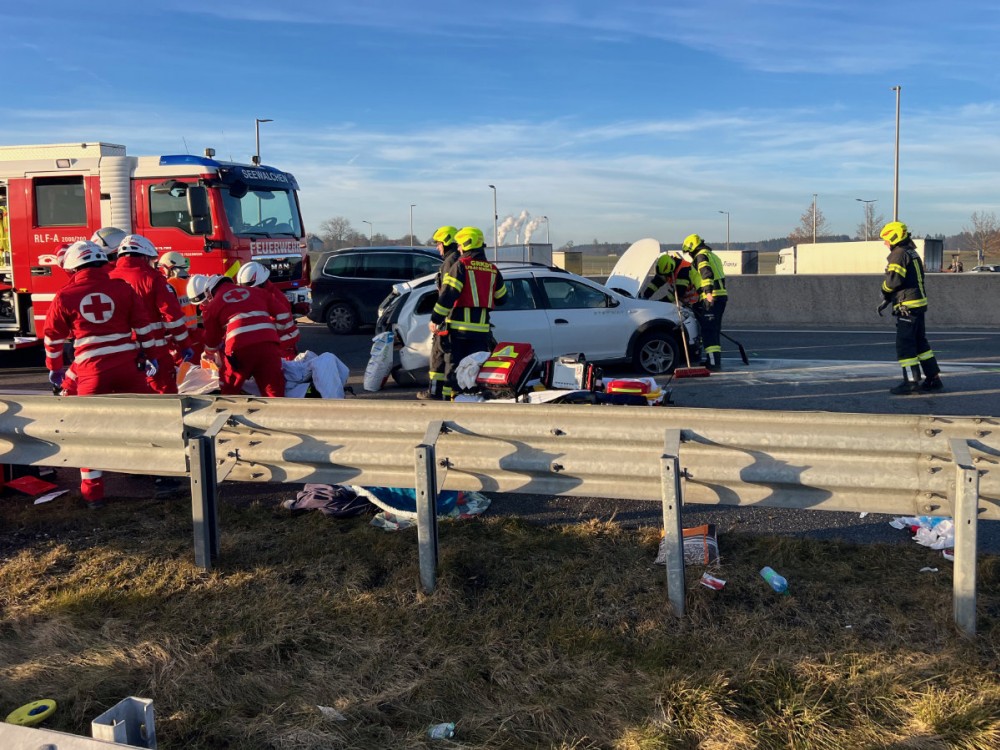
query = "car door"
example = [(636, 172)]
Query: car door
[(521, 317), (584, 318)]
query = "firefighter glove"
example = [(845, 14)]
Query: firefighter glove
[(882, 306), (56, 377), (152, 367)]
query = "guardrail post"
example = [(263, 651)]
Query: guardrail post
[(670, 479), (966, 537), (427, 492), (204, 505)]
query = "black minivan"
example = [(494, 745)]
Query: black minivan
[(348, 284)]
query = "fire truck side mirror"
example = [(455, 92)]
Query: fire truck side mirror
[(201, 215)]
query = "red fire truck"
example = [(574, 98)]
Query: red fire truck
[(218, 214)]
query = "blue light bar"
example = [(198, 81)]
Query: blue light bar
[(172, 160)]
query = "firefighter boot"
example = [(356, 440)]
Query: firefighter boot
[(932, 375), (910, 384)]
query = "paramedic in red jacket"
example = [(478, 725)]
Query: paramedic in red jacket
[(136, 256), (240, 335), (255, 274), (111, 335)]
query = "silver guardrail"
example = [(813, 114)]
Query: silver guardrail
[(893, 464)]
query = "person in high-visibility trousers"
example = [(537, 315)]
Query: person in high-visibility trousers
[(111, 333), (903, 288), (136, 256), (437, 386), (472, 288), (255, 274), (240, 335), (712, 296)]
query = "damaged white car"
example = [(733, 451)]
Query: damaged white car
[(558, 313)]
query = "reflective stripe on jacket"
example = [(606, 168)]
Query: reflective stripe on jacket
[(904, 277)]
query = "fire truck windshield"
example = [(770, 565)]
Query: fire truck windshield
[(263, 212)]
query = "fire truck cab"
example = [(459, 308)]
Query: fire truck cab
[(218, 214)]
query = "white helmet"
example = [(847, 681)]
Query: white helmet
[(136, 244), (199, 286), (174, 259), (109, 238), (252, 274), (82, 252)]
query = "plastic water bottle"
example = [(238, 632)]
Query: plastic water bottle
[(775, 581), (442, 731)]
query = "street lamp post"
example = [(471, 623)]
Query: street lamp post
[(814, 218), (411, 223), (867, 211), (371, 230), (256, 122), (547, 241), (727, 227), (496, 216), (895, 179)]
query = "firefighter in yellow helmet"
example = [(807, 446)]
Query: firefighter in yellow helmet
[(437, 386), (712, 296), (903, 288), (472, 288), (676, 273)]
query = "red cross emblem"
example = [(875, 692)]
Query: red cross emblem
[(97, 308), (235, 295)]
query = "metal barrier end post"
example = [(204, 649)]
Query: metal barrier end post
[(670, 476)]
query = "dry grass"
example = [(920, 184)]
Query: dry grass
[(535, 638)]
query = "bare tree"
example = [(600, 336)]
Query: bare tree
[(810, 225), (983, 236), (337, 232), (872, 225)]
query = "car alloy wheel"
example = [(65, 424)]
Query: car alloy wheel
[(656, 353), (341, 318)]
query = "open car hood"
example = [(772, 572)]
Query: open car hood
[(634, 268)]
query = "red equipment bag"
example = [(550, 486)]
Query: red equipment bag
[(626, 385), (507, 370), (570, 372)]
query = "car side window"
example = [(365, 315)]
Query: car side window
[(425, 305), (519, 295), (567, 294), (342, 265), (385, 266), (425, 264)]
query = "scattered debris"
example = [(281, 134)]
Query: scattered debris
[(49, 497), (712, 582), (442, 731), (331, 713)]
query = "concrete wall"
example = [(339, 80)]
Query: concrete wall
[(955, 300)]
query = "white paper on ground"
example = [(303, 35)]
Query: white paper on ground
[(49, 497)]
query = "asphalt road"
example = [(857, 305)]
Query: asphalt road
[(790, 369)]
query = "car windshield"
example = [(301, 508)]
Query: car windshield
[(263, 212)]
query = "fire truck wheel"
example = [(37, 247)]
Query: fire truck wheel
[(341, 318), (656, 353)]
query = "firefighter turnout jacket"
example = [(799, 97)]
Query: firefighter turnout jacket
[(711, 277), (469, 290), (903, 285)]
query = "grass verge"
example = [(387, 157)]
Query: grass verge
[(555, 637)]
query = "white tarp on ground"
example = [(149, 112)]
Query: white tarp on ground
[(325, 372)]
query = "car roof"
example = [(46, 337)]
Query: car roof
[(385, 248)]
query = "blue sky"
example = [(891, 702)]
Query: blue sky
[(617, 120)]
